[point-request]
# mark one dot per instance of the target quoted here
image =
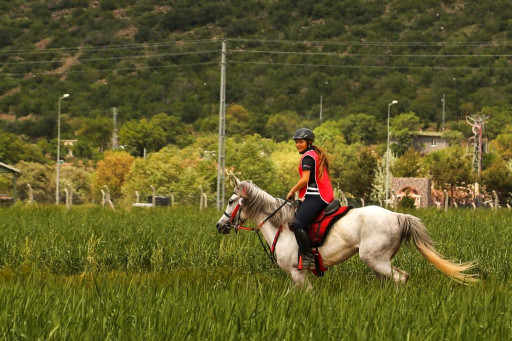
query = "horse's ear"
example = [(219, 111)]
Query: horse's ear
[(233, 178), (241, 190)]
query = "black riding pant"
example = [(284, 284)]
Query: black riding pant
[(308, 211)]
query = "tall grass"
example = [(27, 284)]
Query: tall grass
[(95, 274)]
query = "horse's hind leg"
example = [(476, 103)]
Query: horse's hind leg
[(380, 262)]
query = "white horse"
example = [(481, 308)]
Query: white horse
[(374, 232)]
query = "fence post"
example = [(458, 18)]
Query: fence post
[(67, 197), (474, 205), (172, 199), (496, 200), (344, 201), (137, 197), (508, 206), (362, 202), (380, 202), (201, 199), (30, 194), (153, 199), (108, 201), (395, 200), (445, 200), (103, 198)]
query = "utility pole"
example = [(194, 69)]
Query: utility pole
[(444, 115), (222, 132), (477, 122), (114, 136)]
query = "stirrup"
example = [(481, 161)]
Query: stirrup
[(308, 265)]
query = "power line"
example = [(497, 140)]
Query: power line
[(337, 54), (375, 43), (105, 47), (116, 58), (49, 73), (371, 66)]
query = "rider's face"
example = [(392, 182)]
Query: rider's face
[(301, 145)]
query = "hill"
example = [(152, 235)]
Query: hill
[(150, 57)]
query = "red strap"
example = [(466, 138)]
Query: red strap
[(235, 211), (273, 248)]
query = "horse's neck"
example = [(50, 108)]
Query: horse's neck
[(268, 230)]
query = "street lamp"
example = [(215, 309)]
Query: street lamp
[(387, 155), (58, 151)]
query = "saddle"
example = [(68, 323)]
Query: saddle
[(319, 229)]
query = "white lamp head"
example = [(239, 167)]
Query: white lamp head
[(65, 96), (394, 102)]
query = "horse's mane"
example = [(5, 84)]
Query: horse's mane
[(258, 201)]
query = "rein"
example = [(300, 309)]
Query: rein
[(269, 251)]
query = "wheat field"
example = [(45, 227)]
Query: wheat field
[(166, 274)]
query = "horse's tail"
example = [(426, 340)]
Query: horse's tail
[(413, 228)]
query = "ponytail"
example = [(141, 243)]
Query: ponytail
[(323, 163)]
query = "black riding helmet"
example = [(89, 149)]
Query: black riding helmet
[(304, 134)]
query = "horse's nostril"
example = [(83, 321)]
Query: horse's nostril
[(217, 226)]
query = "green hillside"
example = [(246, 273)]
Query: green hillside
[(150, 57)]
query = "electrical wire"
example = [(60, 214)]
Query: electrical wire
[(49, 73), (104, 48), (375, 43), (116, 58), (370, 66), (368, 54)]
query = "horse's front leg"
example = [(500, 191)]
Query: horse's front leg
[(300, 279)]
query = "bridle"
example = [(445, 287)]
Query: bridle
[(238, 225), (270, 251)]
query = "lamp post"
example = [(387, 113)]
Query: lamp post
[(387, 155), (58, 152), (444, 104)]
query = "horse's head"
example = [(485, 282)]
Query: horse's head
[(234, 216)]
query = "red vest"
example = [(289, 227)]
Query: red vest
[(324, 184)]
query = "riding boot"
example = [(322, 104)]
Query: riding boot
[(308, 259)]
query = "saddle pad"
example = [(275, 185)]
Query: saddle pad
[(320, 228)]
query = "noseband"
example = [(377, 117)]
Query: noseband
[(240, 222)]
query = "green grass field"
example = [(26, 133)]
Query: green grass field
[(91, 274)]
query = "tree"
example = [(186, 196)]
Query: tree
[(408, 165), (402, 128), (42, 179), (453, 137), (503, 143), (112, 172), (281, 126), (237, 120), (329, 131), (13, 150), (180, 172), (97, 130), (361, 128), (450, 168), (498, 177), (142, 135), (354, 169)]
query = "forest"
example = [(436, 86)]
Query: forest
[(158, 63)]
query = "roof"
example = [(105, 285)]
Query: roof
[(8, 169), (429, 133)]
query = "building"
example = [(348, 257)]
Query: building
[(6, 169), (426, 142)]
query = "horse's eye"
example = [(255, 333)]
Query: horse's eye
[(231, 201)]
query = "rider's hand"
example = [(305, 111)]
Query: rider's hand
[(290, 196)]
